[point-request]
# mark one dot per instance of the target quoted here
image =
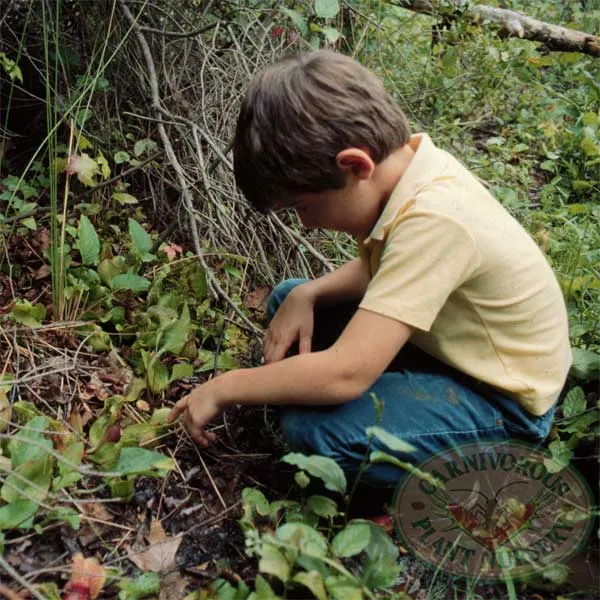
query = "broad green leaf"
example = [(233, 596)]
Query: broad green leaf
[(129, 281), (17, 513), (31, 481), (109, 268), (121, 157), (142, 242), (225, 361), (66, 515), (104, 166), (586, 364), (574, 402), (380, 567), (561, 455), (175, 337), (30, 315), (263, 590), (331, 34), (124, 198), (139, 460), (143, 586), (389, 440), (157, 375), (557, 574), (297, 19), (351, 541), (181, 371), (30, 223), (342, 588), (322, 506), (322, 467), (254, 500), (85, 167), (22, 451), (88, 242), (273, 562), (313, 581), (302, 479), (582, 423), (327, 9), (303, 538), (142, 146)]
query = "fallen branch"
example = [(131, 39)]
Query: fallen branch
[(511, 23)]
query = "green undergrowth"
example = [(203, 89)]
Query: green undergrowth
[(526, 121)]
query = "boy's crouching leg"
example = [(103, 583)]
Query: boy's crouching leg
[(431, 412)]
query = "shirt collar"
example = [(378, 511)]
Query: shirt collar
[(418, 173)]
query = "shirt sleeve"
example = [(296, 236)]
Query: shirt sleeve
[(426, 257)]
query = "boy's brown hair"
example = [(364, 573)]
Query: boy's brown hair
[(295, 118)]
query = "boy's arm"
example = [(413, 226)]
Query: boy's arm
[(294, 319), (334, 376), (349, 282)]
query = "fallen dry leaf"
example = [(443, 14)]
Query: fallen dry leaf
[(158, 557), (87, 579), (257, 298), (173, 586)]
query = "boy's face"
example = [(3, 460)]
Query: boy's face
[(354, 209)]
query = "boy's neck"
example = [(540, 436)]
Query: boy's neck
[(389, 171)]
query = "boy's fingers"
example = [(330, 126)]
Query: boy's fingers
[(179, 407), (304, 346)]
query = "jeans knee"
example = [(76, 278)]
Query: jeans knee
[(279, 294)]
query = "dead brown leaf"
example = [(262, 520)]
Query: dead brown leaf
[(257, 298), (173, 586), (158, 557)]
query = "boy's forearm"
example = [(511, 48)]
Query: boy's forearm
[(347, 283), (286, 382)]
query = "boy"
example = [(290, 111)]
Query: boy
[(442, 263)]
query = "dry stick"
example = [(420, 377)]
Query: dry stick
[(511, 23), (212, 280), (20, 579)]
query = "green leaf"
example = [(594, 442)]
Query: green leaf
[(133, 461), (142, 146), (380, 567), (147, 584), (322, 506), (129, 281), (351, 541), (254, 500), (175, 336), (17, 514), (586, 364), (157, 374), (313, 581), (22, 451), (561, 455), (124, 198), (322, 467), (327, 9), (331, 34), (297, 19), (263, 590), (343, 588), (142, 242), (28, 314), (391, 441), (181, 371), (557, 574), (225, 361), (31, 481), (30, 223), (302, 479), (379, 457), (574, 402), (121, 157), (66, 515), (273, 562), (88, 242), (303, 538)]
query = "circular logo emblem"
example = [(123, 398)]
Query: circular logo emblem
[(492, 512)]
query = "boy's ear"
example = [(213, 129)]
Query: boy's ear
[(355, 161)]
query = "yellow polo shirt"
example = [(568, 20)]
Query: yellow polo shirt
[(448, 259)]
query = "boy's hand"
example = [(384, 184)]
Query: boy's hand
[(198, 408), (293, 321)]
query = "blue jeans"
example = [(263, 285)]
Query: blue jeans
[(426, 403)]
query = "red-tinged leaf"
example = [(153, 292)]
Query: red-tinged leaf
[(385, 522), (87, 579)]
